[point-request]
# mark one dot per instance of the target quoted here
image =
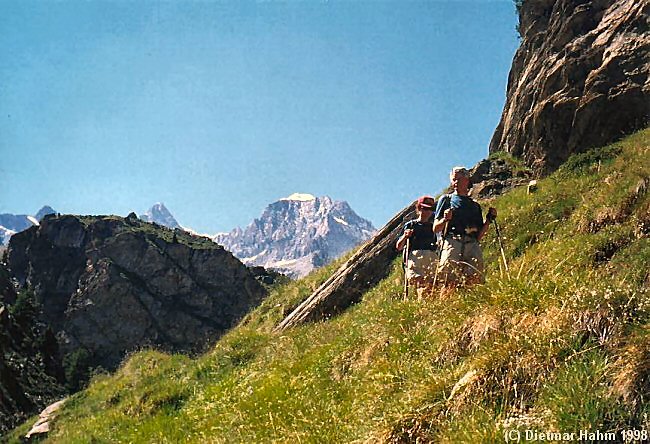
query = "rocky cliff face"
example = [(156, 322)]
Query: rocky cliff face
[(297, 234), (578, 80), (492, 177), (30, 374), (109, 285)]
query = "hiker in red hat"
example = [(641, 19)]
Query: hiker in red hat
[(420, 241)]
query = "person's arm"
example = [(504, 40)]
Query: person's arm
[(401, 242), (443, 214), (483, 230), (439, 224), (489, 217)]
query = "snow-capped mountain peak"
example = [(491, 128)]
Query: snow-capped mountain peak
[(294, 235), (160, 214), (11, 224), (300, 197)]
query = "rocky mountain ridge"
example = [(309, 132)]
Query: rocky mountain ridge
[(297, 234), (11, 224), (578, 80), (167, 288)]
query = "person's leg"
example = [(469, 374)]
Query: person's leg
[(448, 268), (429, 273), (474, 264), (416, 266)]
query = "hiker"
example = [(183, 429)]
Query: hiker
[(459, 219), (421, 257)]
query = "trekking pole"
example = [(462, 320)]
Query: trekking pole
[(503, 254), (405, 258), (442, 244)]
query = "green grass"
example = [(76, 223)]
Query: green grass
[(558, 343), (117, 225), (516, 165)]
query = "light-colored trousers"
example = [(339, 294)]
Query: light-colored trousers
[(461, 261), (421, 264)]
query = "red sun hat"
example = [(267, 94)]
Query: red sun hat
[(426, 202)]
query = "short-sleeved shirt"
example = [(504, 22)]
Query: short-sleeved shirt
[(467, 216), (423, 237)]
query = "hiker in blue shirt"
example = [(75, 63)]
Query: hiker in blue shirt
[(459, 219), (421, 260)]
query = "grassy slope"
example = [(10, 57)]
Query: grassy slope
[(560, 343)]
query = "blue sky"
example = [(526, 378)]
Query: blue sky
[(220, 108)]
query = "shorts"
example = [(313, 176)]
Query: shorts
[(461, 261), (421, 264)]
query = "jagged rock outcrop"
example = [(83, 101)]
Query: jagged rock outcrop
[(109, 285), (267, 277), (44, 211), (365, 269), (42, 426), (492, 177), (578, 80), (7, 290), (297, 234)]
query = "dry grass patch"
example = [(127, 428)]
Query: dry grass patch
[(353, 360), (631, 380), (416, 427), (476, 330), (599, 324), (618, 212)]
